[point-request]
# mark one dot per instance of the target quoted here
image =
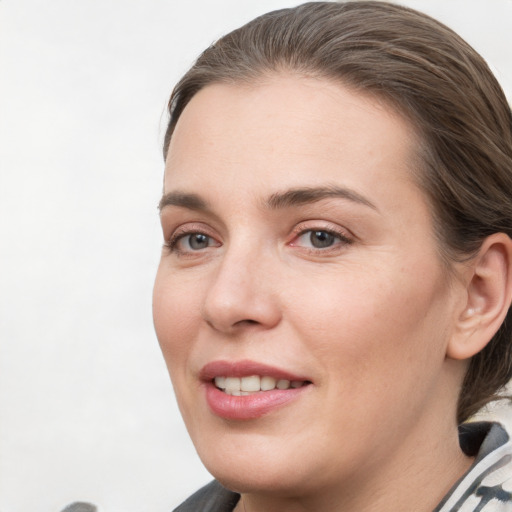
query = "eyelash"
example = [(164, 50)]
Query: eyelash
[(172, 244), (343, 239), (180, 234)]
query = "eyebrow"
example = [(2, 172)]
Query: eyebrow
[(306, 195), (184, 200), (279, 200)]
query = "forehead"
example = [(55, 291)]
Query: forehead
[(288, 129)]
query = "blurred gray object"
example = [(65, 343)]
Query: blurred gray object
[(80, 506)]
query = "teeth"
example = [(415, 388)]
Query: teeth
[(220, 382), (267, 383), (250, 383), (283, 384), (232, 385), (244, 386)]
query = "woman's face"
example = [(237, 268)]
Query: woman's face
[(301, 268)]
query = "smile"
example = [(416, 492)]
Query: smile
[(245, 390), (243, 386)]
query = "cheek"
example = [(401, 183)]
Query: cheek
[(175, 315), (176, 320), (380, 325)]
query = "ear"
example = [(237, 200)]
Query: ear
[(489, 294)]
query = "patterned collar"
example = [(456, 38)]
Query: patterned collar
[(487, 485)]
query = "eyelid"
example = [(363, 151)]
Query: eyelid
[(344, 235), (184, 230), (322, 225)]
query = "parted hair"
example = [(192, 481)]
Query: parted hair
[(433, 78)]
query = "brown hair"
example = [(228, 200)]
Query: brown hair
[(432, 77)]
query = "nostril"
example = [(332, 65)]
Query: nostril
[(247, 322)]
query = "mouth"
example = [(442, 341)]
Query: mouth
[(248, 390), (244, 386)]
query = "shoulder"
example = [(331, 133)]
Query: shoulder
[(210, 498), (487, 486)]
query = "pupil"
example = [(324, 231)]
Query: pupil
[(320, 239), (198, 241)]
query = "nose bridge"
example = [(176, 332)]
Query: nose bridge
[(241, 291)]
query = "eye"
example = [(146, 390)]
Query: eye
[(320, 239), (196, 241), (191, 242)]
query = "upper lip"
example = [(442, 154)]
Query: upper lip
[(245, 368)]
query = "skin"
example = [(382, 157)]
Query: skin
[(368, 319)]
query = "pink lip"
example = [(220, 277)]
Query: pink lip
[(244, 369), (251, 406)]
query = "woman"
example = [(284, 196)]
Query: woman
[(333, 295)]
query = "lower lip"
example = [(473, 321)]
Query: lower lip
[(250, 406)]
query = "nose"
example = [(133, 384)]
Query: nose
[(242, 293)]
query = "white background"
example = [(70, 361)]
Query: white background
[(86, 408)]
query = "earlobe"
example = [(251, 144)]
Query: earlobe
[(489, 295)]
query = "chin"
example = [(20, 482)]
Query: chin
[(260, 466), (241, 480)]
